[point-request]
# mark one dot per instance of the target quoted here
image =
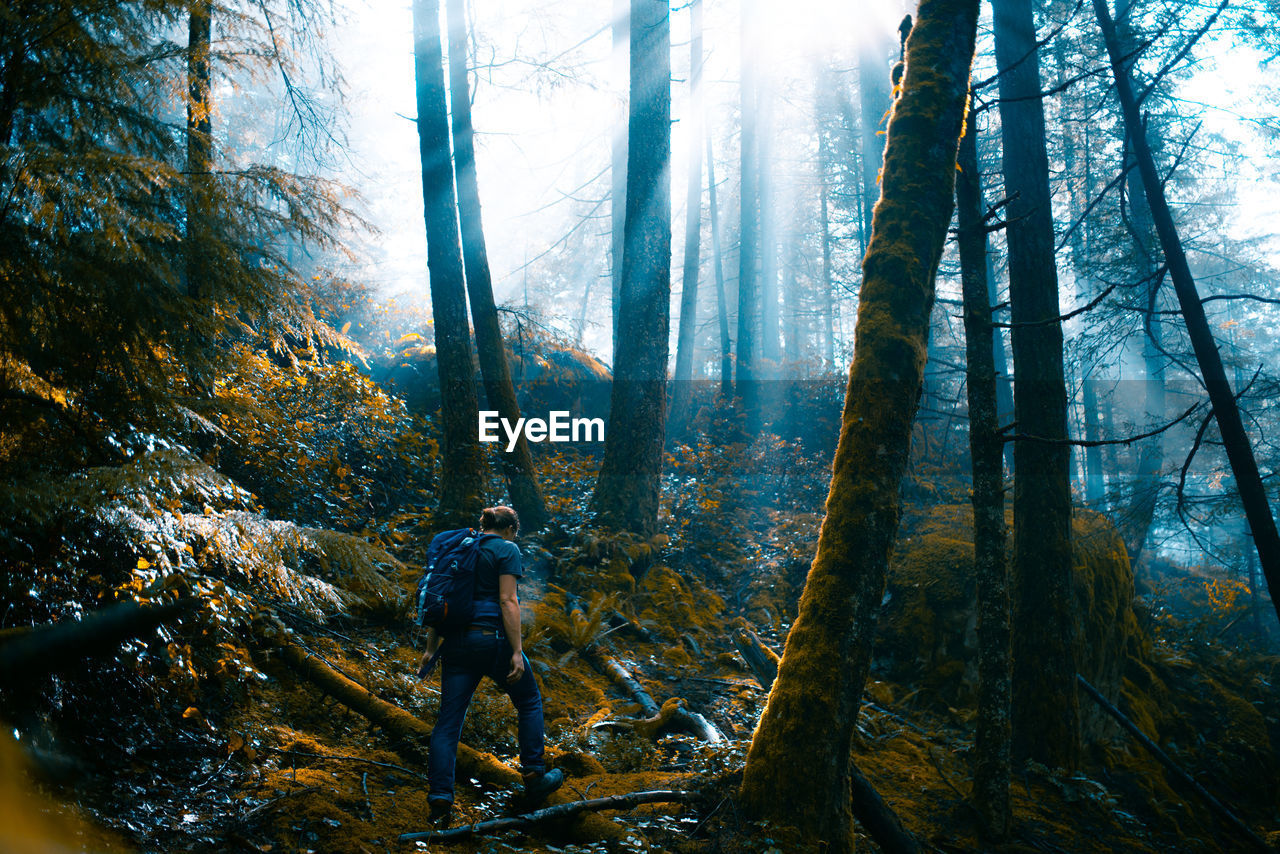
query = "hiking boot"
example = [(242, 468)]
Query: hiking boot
[(539, 784), (441, 815)]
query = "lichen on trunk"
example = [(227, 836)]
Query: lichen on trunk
[(798, 770)]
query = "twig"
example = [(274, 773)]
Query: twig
[(364, 784), (521, 822), (399, 768)]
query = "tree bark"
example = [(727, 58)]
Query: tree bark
[(1235, 441), (798, 771), (682, 391), (768, 224), (462, 476), (1046, 712), (517, 466), (627, 491), (991, 767)]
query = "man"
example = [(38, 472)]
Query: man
[(489, 646)]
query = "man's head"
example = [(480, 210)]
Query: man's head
[(500, 520)]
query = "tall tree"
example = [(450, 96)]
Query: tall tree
[(682, 390), (745, 386), (767, 213), (798, 770), (462, 471), (618, 168), (627, 491), (991, 765), (1046, 712), (1235, 441), (517, 466), (717, 265)]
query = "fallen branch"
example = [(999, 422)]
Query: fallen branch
[(1164, 759), (412, 734), (52, 647), (677, 716), (522, 822)]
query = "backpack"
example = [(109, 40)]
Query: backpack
[(446, 591)]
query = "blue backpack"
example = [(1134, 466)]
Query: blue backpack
[(446, 591)]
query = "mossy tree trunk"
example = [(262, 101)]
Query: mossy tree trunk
[(627, 491), (517, 466), (462, 476), (798, 771), (1235, 440), (991, 748), (1046, 712), (682, 391)]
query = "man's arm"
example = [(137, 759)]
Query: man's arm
[(510, 606)]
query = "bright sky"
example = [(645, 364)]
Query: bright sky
[(545, 132)]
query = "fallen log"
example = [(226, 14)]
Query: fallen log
[(1216, 806), (55, 646), (522, 822), (762, 660), (412, 735), (878, 818)]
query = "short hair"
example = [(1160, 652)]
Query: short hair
[(499, 518)]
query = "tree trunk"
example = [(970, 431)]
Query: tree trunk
[(749, 226), (618, 170), (991, 742), (875, 92), (1235, 441), (199, 146), (1144, 491), (682, 391), (798, 771), (1078, 193), (627, 491), (462, 476), (792, 340), (768, 223), (827, 286), (717, 262), (517, 466), (1046, 712)]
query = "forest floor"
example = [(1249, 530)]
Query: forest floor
[(286, 768), (222, 734)]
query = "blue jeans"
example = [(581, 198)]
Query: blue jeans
[(464, 660)]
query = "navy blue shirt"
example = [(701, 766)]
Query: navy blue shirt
[(497, 557)]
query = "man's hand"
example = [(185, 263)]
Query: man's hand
[(517, 667)]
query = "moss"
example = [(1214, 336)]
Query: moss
[(928, 634)]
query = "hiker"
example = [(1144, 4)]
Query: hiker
[(488, 646)]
